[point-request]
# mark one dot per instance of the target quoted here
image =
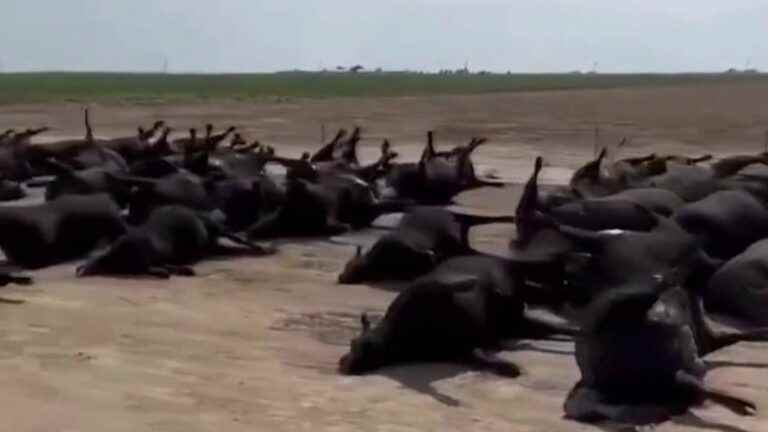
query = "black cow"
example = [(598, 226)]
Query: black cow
[(178, 188), (693, 183), (425, 237), (319, 203), (640, 355), (132, 147), (464, 308), (660, 201), (59, 230), (438, 177), (170, 239), (94, 180), (726, 222), (740, 286), (14, 163)]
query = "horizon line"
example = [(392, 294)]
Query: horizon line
[(733, 71)]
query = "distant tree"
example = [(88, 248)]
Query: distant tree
[(340, 68), (356, 68), (750, 71)]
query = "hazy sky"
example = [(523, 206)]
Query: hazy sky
[(500, 35)]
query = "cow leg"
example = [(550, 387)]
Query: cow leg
[(719, 340), (219, 230), (5, 300), (158, 272), (385, 206), (468, 221), (712, 339), (586, 404), (7, 278), (729, 166), (179, 270), (253, 247), (269, 226), (486, 361), (39, 182), (537, 326), (334, 227), (478, 184), (589, 405), (640, 160), (695, 385)]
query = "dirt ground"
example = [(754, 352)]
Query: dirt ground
[(252, 344)]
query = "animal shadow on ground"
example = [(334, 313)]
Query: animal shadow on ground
[(227, 251), (335, 328), (690, 420), (613, 427), (716, 364), (525, 345), (9, 267), (421, 377)]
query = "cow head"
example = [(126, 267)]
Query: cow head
[(355, 269), (366, 352), (388, 258)]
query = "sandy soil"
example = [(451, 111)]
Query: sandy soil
[(252, 344)]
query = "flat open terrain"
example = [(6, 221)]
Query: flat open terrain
[(252, 344), (154, 88)]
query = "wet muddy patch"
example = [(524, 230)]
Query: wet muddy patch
[(315, 261), (264, 281)]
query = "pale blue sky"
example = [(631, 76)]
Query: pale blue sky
[(267, 35)]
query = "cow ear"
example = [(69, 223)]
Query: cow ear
[(358, 251), (365, 322)]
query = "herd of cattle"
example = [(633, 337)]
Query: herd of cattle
[(631, 255)]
